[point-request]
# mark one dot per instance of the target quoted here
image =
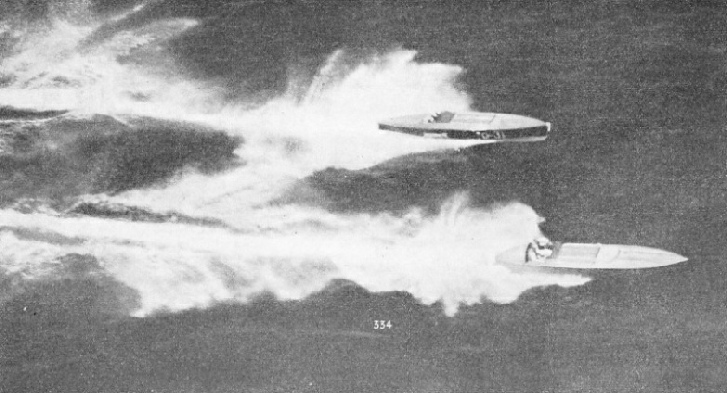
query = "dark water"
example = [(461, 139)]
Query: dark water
[(636, 92)]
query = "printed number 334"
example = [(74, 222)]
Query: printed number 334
[(381, 324)]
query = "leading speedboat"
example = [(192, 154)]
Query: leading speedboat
[(544, 253)]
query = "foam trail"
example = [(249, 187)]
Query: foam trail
[(287, 140), (288, 250), (448, 258), (63, 66)]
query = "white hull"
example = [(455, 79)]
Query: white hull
[(594, 256)]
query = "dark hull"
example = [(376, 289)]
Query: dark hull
[(474, 126), (515, 134), (10, 113)]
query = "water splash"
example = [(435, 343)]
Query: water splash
[(287, 140), (447, 258), (75, 66), (288, 250)]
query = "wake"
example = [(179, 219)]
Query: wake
[(259, 246)]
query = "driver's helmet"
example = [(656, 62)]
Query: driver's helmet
[(434, 117), (542, 242)]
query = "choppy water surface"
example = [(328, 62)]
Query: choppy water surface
[(195, 197)]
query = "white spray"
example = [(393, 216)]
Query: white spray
[(293, 250)]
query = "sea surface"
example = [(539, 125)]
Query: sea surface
[(195, 196)]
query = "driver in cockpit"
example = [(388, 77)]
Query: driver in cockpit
[(539, 249), (434, 118)]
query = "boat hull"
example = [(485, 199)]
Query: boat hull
[(594, 256), (493, 127)]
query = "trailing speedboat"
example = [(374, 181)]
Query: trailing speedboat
[(493, 127)]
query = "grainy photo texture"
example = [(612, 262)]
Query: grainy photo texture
[(363, 196)]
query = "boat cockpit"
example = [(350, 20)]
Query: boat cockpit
[(440, 117)]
